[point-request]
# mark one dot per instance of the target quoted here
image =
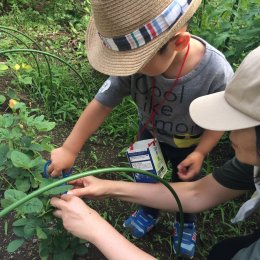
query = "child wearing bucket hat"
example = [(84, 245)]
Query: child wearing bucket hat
[(237, 109), (144, 46)]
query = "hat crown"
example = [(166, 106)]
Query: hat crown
[(243, 91), (119, 17)]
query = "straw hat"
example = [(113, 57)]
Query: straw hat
[(123, 35), (237, 107)]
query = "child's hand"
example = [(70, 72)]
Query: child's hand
[(190, 166), (90, 187), (61, 159), (78, 218)]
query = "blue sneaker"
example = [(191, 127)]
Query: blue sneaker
[(188, 239), (140, 223)]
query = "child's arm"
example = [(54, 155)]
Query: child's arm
[(85, 223), (191, 165), (92, 117)]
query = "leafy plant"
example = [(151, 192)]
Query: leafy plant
[(236, 26), (23, 140)]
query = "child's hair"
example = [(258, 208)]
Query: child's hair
[(163, 48)]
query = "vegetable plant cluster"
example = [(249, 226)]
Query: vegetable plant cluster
[(24, 140)]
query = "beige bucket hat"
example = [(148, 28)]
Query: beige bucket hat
[(123, 35), (237, 107)]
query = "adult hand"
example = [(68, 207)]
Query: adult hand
[(78, 218), (90, 187), (190, 166), (61, 159)]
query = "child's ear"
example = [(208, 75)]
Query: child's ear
[(181, 41)]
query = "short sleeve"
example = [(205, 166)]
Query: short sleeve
[(235, 175), (114, 90)]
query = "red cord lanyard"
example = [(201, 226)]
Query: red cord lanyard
[(151, 118)]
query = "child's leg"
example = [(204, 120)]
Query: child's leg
[(147, 210), (176, 156), (145, 218), (189, 232)]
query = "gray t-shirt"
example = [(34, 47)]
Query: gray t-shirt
[(172, 121)]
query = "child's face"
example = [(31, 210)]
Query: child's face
[(160, 63), (244, 144)]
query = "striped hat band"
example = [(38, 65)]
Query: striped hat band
[(150, 30)]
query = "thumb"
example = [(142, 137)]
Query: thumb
[(67, 197), (185, 163)]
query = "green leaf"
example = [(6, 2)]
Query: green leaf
[(58, 190), (64, 255), (14, 195), (20, 222), (22, 184), (44, 249), (14, 172), (16, 133), (2, 99), (8, 120), (26, 141), (32, 206), (19, 231), (20, 160), (14, 245), (11, 93), (30, 229), (4, 134), (40, 233), (26, 80), (81, 250), (3, 67), (36, 162), (45, 126), (36, 147), (3, 153), (5, 203)]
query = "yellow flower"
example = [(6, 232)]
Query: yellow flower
[(16, 67), (12, 103)]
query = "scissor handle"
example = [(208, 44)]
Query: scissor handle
[(67, 174), (45, 169), (46, 174)]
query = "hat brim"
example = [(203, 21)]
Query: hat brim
[(124, 63), (213, 112)]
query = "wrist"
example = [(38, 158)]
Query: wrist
[(201, 152), (69, 148), (111, 187)]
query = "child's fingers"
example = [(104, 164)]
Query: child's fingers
[(55, 173)]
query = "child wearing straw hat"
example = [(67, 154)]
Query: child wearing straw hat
[(144, 46)]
